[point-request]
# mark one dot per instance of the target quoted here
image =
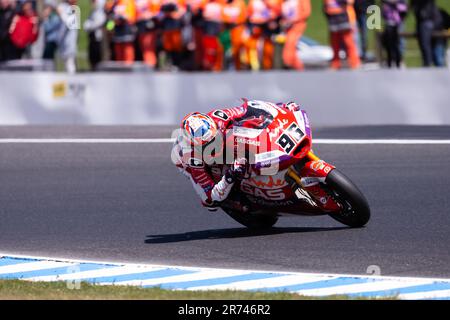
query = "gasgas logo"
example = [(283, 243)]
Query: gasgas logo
[(268, 182)]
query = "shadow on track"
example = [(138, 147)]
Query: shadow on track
[(230, 233)]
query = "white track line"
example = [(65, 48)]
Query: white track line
[(34, 266), (380, 141), (362, 287), (106, 272), (425, 295), (86, 140), (265, 283), (168, 140), (201, 275)]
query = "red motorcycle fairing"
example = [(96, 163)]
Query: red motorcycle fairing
[(269, 188), (274, 193), (316, 168), (271, 136), (311, 175), (275, 138)]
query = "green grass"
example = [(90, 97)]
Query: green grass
[(25, 290), (82, 60), (317, 27)]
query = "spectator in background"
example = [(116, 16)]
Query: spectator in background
[(195, 10), (263, 18), (439, 44), (394, 12), (24, 29), (295, 13), (52, 26), (213, 24), (361, 19), (147, 22), (123, 14), (428, 19), (173, 13), (68, 41), (341, 23), (7, 12), (94, 27), (235, 16)]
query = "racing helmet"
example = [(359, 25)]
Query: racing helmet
[(199, 128)]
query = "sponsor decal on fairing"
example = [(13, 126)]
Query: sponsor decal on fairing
[(248, 141), (311, 181), (246, 132)]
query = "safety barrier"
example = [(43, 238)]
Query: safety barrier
[(418, 96)]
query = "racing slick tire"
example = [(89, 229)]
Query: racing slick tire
[(356, 211)]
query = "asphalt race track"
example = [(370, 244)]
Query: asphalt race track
[(126, 202)]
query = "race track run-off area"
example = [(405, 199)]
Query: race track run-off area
[(106, 205)]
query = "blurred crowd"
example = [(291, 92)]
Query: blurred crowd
[(20, 26), (214, 35)]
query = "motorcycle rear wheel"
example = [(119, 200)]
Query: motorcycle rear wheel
[(355, 211), (253, 221)]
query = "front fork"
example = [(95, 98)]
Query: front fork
[(310, 177), (293, 174)]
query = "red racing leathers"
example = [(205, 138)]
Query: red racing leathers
[(212, 183)]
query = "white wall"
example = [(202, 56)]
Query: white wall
[(331, 98)]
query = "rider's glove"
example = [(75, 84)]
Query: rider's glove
[(239, 169)]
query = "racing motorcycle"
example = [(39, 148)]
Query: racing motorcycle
[(283, 169)]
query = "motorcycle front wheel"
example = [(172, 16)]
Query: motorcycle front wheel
[(355, 208)]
